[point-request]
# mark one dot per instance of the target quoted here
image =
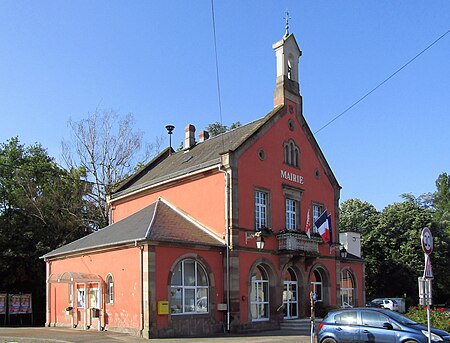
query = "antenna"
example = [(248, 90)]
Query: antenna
[(169, 129)]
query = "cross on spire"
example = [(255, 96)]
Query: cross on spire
[(286, 16)]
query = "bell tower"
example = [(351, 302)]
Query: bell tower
[(287, 55)]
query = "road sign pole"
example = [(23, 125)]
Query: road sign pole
[(426, 239), (429, 324)]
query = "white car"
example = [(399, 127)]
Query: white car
[(389, 304)]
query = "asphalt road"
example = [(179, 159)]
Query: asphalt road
[(64, 335)]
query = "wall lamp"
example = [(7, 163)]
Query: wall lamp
[(343, 252), (259, 239)]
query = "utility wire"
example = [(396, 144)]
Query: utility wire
[(217, 68), (382, 83)]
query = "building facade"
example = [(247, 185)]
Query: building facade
[(212, 238)]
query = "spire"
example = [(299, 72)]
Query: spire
[(287, 54), (286, 16)]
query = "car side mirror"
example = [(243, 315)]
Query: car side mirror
[(388, 326)]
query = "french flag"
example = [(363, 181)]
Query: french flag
[(323, 225)]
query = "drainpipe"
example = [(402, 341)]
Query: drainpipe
[(100, 306), (141, 285), (227, 239), (47, 301), (85, 306)]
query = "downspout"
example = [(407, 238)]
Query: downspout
[(227, 239), (48, 291), (85, 299), (141, 285)]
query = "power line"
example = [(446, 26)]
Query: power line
[(217, 67), (382, 83)]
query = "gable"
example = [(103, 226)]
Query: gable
[(157, 222)]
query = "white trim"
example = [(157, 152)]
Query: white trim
[(147, 233)]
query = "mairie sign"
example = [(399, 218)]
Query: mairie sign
[(291, 177)]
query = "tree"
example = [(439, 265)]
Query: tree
[(42, 207), (441, 202), (357, 216), (106, 146), (392, 250), (217, 128)]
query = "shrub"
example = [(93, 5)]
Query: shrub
[(440, 319)]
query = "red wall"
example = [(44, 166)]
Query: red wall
[(166, 258), (315, 190), (203, 199), (124, 267)]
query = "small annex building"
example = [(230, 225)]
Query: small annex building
[(212, 238)]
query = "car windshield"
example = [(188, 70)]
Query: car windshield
[(401, 319)]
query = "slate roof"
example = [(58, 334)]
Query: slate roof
[(159, 222), (201, 155)]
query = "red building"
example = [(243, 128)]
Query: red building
[(183, 256)]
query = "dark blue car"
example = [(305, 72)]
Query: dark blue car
[(374, 325)]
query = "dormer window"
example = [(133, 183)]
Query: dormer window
[(291, 153)]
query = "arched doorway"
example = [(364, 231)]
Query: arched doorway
[(290, 295), (259, 294), (317, 284)]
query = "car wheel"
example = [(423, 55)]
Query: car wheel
[(331, 340)]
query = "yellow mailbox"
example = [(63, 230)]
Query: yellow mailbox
[(163, 307)]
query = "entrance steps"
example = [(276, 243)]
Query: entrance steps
[(299, 326)]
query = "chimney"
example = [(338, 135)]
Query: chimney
[(203, 136), (189, 138)]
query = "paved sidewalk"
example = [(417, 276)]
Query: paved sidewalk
[(64, 335)]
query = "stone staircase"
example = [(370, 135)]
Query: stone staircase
[(299, 326)]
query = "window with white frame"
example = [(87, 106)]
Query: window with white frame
[(347, 288), (261, 209), (291, 214), (80, 297), (317, 211), (109, 289), (94, 298), (317, 286), (259, 295), (189, 288)]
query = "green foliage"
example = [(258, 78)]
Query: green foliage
[(441, 202), (439, 318), (217, 128), (357, 216), (391, 242), (42, 207)]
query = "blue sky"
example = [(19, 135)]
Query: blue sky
[(63, 59)]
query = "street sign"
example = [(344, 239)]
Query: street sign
[(425, 291), (427, 241), (428, 271)]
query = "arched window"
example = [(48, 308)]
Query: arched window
[(291, 153), (317, 285), (189, 290), (347, 289), (289, 69), (259, 294), (109, 289)]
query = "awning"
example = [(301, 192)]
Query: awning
[(74, 277)]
